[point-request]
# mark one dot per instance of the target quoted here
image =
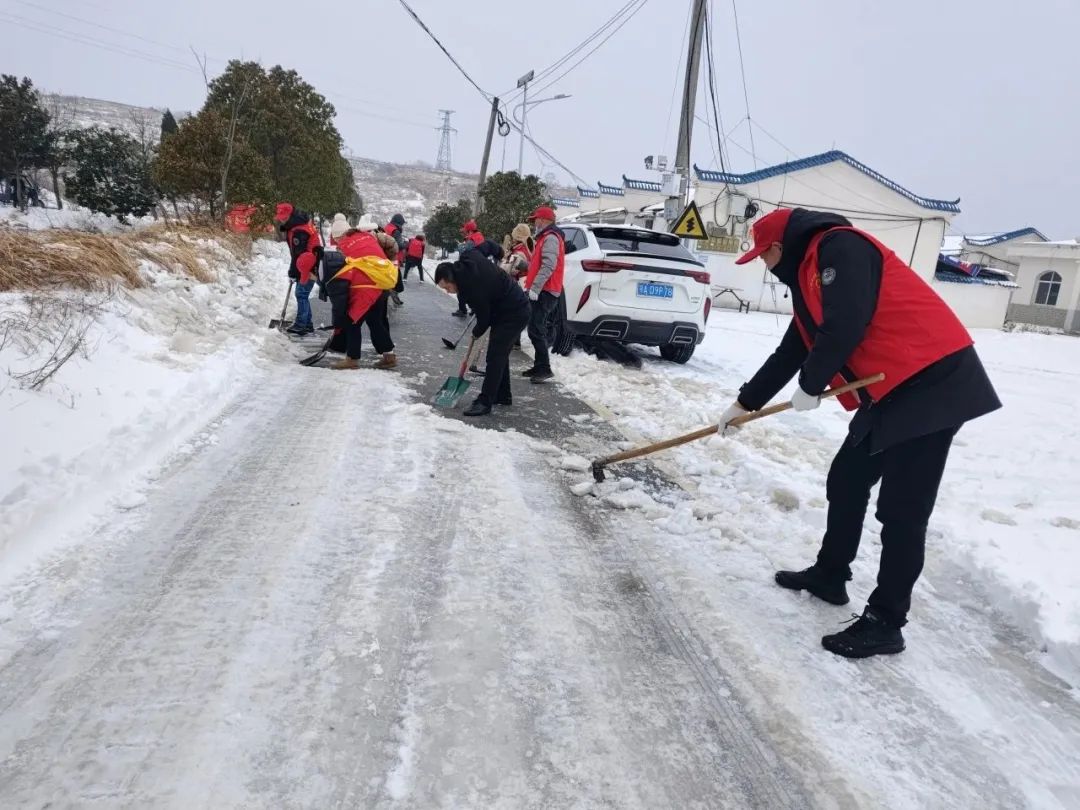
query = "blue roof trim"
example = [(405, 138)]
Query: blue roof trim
[(998, 238), (588, 192), (611, 191), (952, 206), (565, 202), (640, 185)]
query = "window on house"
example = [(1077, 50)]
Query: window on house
[(1046, 291)]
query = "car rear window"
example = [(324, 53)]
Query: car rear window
[(649, 243)]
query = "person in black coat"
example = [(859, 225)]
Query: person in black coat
[(858, 310), (501, 306)]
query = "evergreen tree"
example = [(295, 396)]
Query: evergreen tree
[(508, 199), (168, 124), (111, 176), (191, 163), (24, 131), (443, 227)]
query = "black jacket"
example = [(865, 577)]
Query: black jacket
[(491, 293), (944, 395), (298, 242)]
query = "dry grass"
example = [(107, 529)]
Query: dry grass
[(52, 259)]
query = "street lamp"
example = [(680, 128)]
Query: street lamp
[(524, 107), (523, 82)]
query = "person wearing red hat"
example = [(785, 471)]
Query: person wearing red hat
[(305, 250), (544, 284), (859, 310)]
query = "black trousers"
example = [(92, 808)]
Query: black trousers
[(410, 263), (910, 474), (378, 322), (541, 317), (460, 303), (501, 339)]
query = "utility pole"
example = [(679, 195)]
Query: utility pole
[(443, 161), (524, 82), (689, 101), (487, 154)]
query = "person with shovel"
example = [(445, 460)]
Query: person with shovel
[(859, 310), (305, 250), (502, 310), (544, 282)]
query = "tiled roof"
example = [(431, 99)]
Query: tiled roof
[(640, 185), (564, 202), (611, 191), (588, 192), (998, 238), (813, 162)]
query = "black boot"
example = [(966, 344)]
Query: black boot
[(869, 635), (480, 407), (529, 372), (825, 585), (458, 313), (541, 375)]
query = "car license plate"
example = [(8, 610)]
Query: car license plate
[(647, 289)]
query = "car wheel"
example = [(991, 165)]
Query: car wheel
[(677, 353), (563, 344)]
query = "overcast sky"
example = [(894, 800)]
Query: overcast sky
[(951, 98)]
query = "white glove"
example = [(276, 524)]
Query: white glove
[(802, 401), (534, 295), (733, 410)]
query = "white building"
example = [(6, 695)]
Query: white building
[(913, 226), (1048, 279)]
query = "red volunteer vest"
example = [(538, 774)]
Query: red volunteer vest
[(912, 327), (554, 284), (415, 249)]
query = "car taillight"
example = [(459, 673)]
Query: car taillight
[(700, 275), (708, 308), (584, 298), (604, 266)]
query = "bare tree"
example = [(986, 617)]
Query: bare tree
[(61, 122)]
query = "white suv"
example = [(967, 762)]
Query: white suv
[(632, 285)]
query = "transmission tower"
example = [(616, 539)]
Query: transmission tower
[(442, 162)]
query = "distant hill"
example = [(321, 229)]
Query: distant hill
[(387, 188)]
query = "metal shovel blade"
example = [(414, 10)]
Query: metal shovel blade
[(451, 392)]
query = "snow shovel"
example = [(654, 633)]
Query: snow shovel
[(455, 387), (599, 465), (453, 344), (320, 354), (279, 323)]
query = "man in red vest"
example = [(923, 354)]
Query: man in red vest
[(414, 256), (544, 283), (859, 310)]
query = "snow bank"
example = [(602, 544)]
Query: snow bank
[(156, 366), (1008, 510), (71, 217)]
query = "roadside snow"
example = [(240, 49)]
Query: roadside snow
[(158, 364), (71, 217), (1008, 512)]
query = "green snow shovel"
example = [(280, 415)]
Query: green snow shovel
[(279, 323), (455, 387)]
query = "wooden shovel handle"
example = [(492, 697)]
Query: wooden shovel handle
[(740, 420)]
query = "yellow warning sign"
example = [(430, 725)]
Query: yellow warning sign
[(689, 224)]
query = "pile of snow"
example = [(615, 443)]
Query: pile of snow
[(1008, 517), (71, 217), (155, 364)]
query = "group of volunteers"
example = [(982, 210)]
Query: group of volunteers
[(506, 288), (859, 313)]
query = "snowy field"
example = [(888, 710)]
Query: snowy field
[(178, 600)]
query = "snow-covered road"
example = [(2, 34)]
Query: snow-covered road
[(424, 618)]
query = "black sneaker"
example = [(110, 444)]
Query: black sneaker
[(296, 329), (868, 635), (478, 408), (825, 585), (528, 372), (542, 376), (457, 313)]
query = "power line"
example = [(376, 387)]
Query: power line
[(442, 47), (746, 93), (121, 32), (630, 16)]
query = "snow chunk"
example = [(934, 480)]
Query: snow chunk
[(575, 463), (996, 516), (583, 488)]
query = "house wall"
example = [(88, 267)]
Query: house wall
[(978, 306), (1063, 315), (913, 232)]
